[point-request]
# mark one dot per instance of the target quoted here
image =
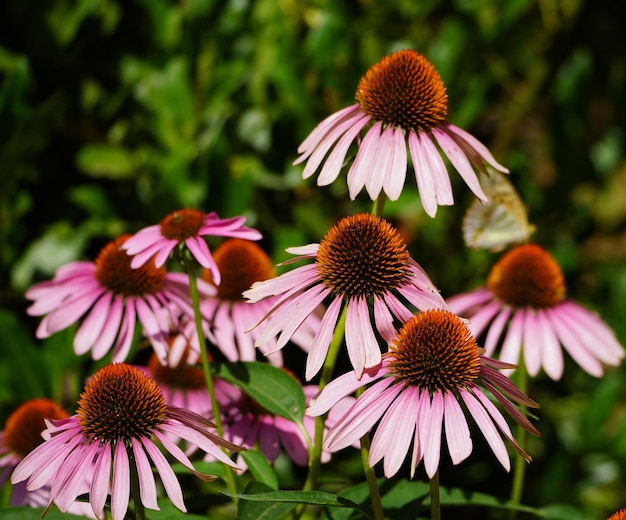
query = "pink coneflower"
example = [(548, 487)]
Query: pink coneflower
[(121, 414), (248, 424), (21, 435), (186, 227), (242, 263), (361, 261), (110, 295), (426, 384), (526, 292), (404, 100)]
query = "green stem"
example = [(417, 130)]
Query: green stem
[(370, 473), (435, 504), (379, 204), (519, 472), (140, 512), (206, 366)]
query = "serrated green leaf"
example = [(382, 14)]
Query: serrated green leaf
[(260, 468), (274, 389)]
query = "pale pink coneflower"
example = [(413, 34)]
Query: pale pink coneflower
[(427, 384), (241, 264), (362, 261), (404, 100), (108, 296), (186, 227), (121, 419), (523, 308)]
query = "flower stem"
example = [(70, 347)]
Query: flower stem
[(379, 204), (520, 464), (315, 456), (435, 504), (206, 366), (370, 473)]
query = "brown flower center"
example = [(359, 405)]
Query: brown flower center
[(120, 403), (362, 256), (618, 515), (435, 350), (240, 263), (182, 224), (114, 272), (183, 376), (22, 431), (404, 90), (527, 276)]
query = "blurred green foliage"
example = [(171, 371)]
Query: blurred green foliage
[(114, 113)]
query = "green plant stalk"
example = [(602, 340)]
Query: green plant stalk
[(519, 471), (379, 204), (435, 504), (206, 366)]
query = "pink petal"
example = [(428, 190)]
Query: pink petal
[(532, 342), (361, 342), (202, 254), (366, 157), (109, 329), (396, 174), (168, 477), (457, 432), (495, 330), (460, 162), (100, 483), (91, 328), (476, 145), (126, 334), (510, 352), (120, 489), (424, 174), (429, 426), (147, 485), (321, 343)]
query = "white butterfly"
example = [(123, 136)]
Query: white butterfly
[(501, 221)]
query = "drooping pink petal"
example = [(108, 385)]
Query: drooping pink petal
[(395, 174), (142, 239), (512, 345), (147, 484), (457, 431), (342, 386), (430, 423), (362, 416), (383, 320), (202, 254), (120, 482), (463, 304), (361, 342), (334, 162), (92, 325), (321, 343), (71, 311), (109, 329), (532, 342), (495, 330), (168, 477), (100, 483), (126, 334), (366, 157), (162, 245), (296, 279), (395, 432), (489, 431), (483, 316), (475, 144), (460, 162)]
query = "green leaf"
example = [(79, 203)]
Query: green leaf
[(260, 468), (272, 388), (261, 510), (563, 512), (316, 498)]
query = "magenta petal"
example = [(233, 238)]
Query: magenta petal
[(362, 416), (430, 425), (395, 432), (109, 329), (458, 436), (168, 477), (147, 485), (100, 483), (120, 487), (202, 254), (91, 328)]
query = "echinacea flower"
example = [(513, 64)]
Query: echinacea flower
[(404, 100), (242, 263), (110, 296), (361, 261), (618, 515), (248, 424), (427, 384), (524, 306), (21, 435), (120, 418), (186, 227)]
